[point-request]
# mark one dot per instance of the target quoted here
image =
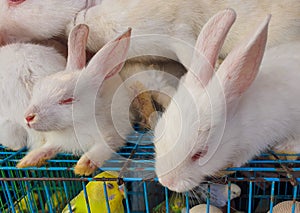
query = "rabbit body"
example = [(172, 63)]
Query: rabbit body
[(21, 66), (26, 20), (33, 19), (228, 118), (85, 134), (74, 114), (170, 28)]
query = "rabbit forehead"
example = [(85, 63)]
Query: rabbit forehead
[(189, 113), (55, 86)]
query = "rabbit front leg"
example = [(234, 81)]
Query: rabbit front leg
[(37, 157), (93, 159)]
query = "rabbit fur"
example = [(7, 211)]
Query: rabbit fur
[(228, 117), (67, 117), (26, 20), (21, 67), (170, 28)]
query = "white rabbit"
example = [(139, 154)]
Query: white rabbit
[(227, 117), (67, 106), (21, 65), (25, 20), (174, 22), (170, 28)]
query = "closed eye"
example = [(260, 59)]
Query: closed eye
[(66, 101), (200, 154)]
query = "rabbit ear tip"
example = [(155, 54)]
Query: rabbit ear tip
[(230, 12), (128, 32), (82, 26), (268, 18)]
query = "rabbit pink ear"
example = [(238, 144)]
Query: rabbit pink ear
[(76, 47), (239, 69), (209, 44), (111, 58)]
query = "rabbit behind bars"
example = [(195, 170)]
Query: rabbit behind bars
[(65, 109), (228, 117), (21, 66)]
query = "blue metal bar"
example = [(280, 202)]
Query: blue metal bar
[(28, 193), (272, 197), (86, 198), (167, 199), (48, 198), (146, 197), (67, 196), (13, 154), (253, 179), (208, 198), (259, 169), (126, 200), (273, 161), (229, 196), (187, 202), (5, 194), (294, 198), (106, 197), (9, 198), (250, 197)]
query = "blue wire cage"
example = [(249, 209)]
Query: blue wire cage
[(264, 182)]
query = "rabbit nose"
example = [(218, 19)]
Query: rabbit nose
[(30, 118)]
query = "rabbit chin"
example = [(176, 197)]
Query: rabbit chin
[(180, 183), (180, 186)]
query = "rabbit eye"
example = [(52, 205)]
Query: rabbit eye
[(15, 2), (200, 154), (66, 101)]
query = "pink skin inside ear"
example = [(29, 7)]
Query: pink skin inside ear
[(15, 2)]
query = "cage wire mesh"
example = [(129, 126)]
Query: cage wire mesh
[(264, 182)]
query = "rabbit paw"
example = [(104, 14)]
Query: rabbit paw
[(32, 159), (85, 166), (36, 158)]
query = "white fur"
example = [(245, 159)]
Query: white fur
[(250, 121), (21, 65), (12, 135), (170, 28), (72, 128), (38, 20)]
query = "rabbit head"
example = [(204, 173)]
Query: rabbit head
[(189, 136), (54, 97)]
